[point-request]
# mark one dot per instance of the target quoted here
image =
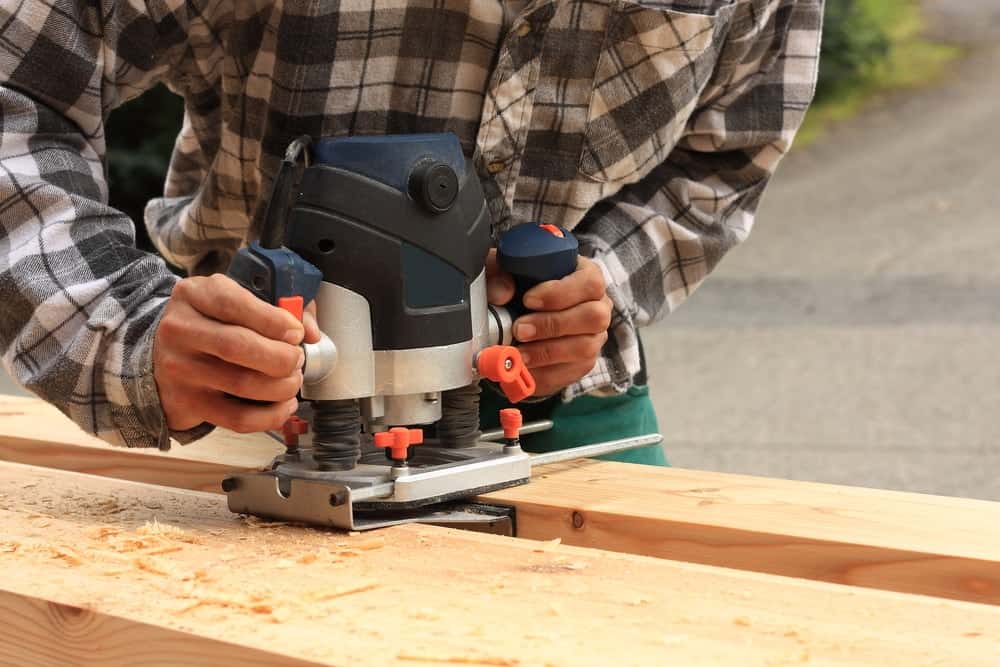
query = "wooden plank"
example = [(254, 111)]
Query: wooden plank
[(34, 432), (933, 545), (915, 543), (415, 594), (40, 632)]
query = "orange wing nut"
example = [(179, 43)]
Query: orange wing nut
[(398, 441)]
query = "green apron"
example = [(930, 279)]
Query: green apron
[(583, 421)]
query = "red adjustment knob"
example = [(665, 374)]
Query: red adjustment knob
[(292, 429), (503, 365), (511, 420), (552, 229), (398, 441)]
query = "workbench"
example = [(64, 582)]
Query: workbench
[(130, 557)]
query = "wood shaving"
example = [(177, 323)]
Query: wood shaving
[(163, 550), (306, 558), (460, 660), (369, 545), (742, 621), (104, 532), (9, 547), (148, 565), (157, 529), (550, 545), (333, 595), (67, 555), (257, 522)]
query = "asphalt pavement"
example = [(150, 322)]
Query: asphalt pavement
[(854, 338)]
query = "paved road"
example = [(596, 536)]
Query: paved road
[(855, 337)]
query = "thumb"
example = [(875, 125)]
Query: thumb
[(499, 283), (310, 324)]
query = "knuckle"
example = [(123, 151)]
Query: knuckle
[(275, 422), (220, 281), (241, 422), (183, 288), (541, 355), (242, 383), (551, 326), (171, 325), (172, 365), (595, 283), (593, 345), (290, 361), (229, 346), (600, 314)]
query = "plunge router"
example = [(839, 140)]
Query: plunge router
[(389, 235)]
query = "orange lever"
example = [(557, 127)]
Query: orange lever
[(503, 364), (398, 441), (293, 304)]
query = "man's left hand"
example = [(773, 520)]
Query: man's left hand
[(561, 340)]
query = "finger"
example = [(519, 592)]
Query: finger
[(209, 372), (242, 417), (499, 283), (552, 379), (187, 408), (590, 317), (584, 284), (221, 298), (569, 349), (310, 324), (189, 331)]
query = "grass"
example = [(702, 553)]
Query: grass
[(912, 61)]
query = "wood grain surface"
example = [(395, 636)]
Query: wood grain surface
[(179, 576)]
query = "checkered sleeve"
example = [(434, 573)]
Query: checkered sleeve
[(656, 240), (80, 302)]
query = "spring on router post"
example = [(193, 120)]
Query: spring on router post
[(336, 434), (459, 424)]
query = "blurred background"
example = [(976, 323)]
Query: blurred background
[(854, 338)]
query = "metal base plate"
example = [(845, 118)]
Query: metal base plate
[(374, 495)]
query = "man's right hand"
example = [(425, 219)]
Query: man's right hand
[(216, 338)]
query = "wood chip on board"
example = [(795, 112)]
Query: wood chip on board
[(460, 660)]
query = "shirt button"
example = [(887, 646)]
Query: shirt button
[(523, 29), (495, 167)]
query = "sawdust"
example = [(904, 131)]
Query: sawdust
[(256, 522), (460, 660), (156, 529)]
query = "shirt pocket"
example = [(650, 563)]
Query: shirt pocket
[(654, 62)]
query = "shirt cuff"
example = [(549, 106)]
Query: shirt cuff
[(142, 422), (619, 361)]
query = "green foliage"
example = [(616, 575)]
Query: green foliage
[(140, 139), (854, 40)]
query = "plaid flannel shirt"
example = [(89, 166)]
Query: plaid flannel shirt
[(649, 127)]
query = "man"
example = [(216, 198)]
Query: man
[(650, 129)]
